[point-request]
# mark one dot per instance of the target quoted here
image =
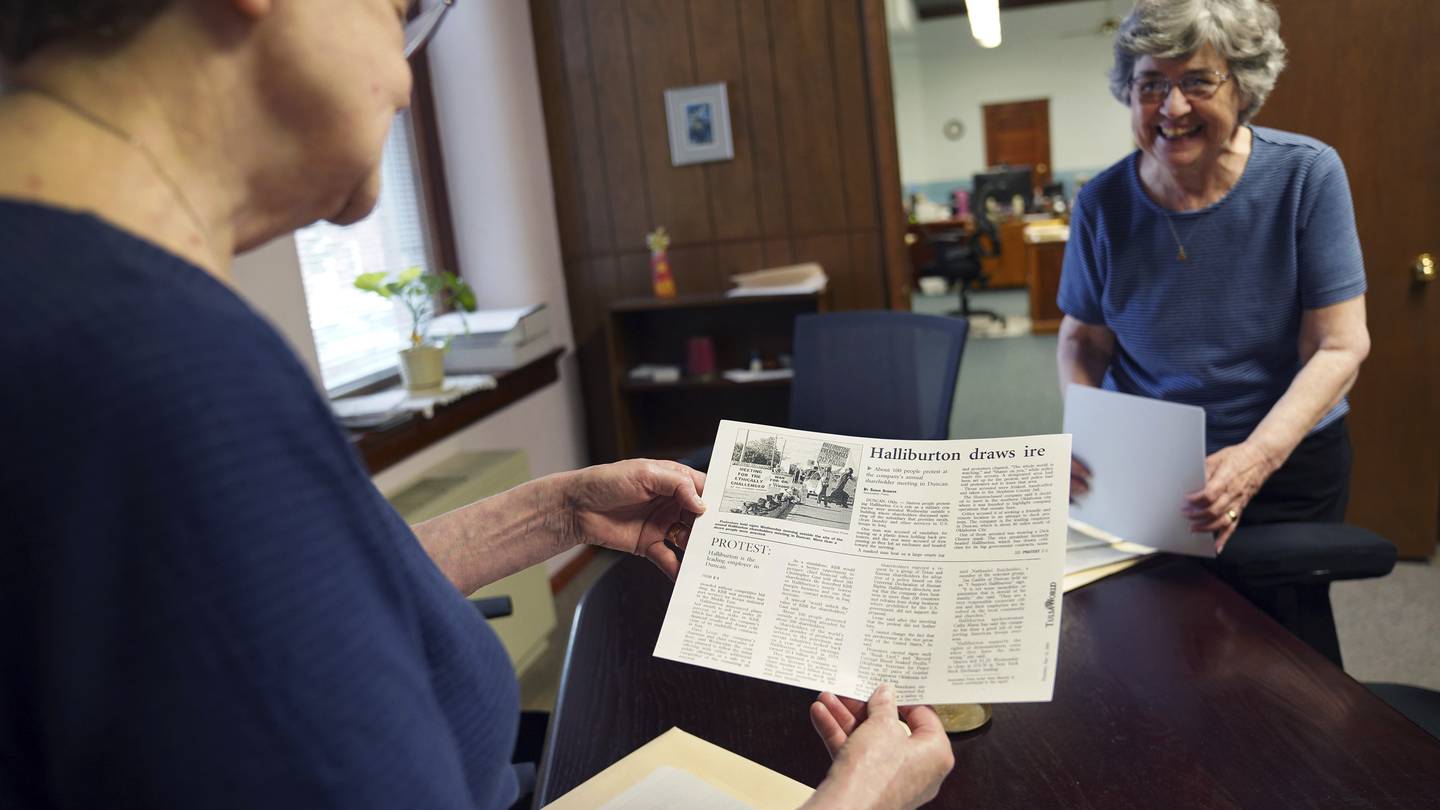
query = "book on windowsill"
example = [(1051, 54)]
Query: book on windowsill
[(493, 327), (465, 357)]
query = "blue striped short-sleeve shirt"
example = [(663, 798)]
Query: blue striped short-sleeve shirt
[(1221, 329)]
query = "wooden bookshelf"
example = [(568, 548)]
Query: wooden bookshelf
[(671, 420)]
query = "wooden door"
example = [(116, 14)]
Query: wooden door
[(1358, 79), (1018, 134)]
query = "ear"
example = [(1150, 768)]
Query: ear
[(253, 9)]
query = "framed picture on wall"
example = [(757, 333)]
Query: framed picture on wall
[(699, 121)]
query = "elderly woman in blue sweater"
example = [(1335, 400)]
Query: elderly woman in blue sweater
[(1218, 265), (203, 600)]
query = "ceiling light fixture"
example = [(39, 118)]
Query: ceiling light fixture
[(984, 21)]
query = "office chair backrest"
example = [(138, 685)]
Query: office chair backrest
[(877, 374), (986, 239), (957, 255)]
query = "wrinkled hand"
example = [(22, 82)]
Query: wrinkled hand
[(878, 763), (630, 506), (1079, 478), (1232, 477)]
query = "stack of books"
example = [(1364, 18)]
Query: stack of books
[(494, 339), (796, 279)]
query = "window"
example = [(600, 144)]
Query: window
[(357, 334)]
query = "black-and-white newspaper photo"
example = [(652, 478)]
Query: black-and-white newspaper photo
[(791, 478)]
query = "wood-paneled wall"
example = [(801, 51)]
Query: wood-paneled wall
[(815, 175)]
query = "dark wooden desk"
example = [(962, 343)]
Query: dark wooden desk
[(1171, 691)]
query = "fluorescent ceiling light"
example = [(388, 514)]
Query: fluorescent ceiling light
[(984, 21)]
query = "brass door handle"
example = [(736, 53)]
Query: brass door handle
[(1425, 270)]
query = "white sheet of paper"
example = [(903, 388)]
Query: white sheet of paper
[(666, 788), (1086, 558), (1145, 456)]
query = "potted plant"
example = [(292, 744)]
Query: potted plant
[(422, 364)]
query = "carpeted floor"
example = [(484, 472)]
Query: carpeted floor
[(1389, 628), (1007, 385)]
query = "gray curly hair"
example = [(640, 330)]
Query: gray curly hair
[(1246, 33)]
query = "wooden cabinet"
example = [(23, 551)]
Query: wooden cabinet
[(670, 420), (1008, 269), (1045, 261)]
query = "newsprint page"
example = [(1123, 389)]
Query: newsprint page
[(836, 563)]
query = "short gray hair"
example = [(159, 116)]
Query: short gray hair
[(1246, 33)]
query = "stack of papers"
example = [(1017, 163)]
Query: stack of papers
[(795, 279), (1046, 232), (745, 375), (1091, 554)]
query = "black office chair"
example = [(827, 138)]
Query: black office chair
[(1421, 705), (909, 362), (1286, 570), (957, 259)]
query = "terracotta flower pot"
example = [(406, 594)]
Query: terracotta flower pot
[(423, 367)]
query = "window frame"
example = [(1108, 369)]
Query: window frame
[(439, 225)]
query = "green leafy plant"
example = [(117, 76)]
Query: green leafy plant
[(418, 291)]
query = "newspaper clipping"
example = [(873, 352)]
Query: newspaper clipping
[(836, 563)]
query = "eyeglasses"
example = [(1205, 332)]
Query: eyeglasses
[(424, 24), (1153, 88)]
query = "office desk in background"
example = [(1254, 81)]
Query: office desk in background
[(1044, 257), (1172, 690)]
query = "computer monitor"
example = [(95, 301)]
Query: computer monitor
[(1001, 185)]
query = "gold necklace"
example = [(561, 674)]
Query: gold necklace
[(135, 143), (1181, 255)]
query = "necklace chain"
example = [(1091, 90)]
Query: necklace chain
[(1180, 246), (134, 142), (1176, 234)]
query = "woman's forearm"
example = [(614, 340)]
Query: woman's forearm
[(500, 535), (1321, 383), (1083, 353), (1333, 344)]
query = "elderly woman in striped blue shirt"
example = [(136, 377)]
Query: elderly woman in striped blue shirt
[(1218, 265)]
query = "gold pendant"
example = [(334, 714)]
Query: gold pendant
[(1182, 254)]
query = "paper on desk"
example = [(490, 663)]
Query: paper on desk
[(745, 375), (667, 788), (730, 775), (1080, 579), (1087, 547), (1145, 456), (937, 567)]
